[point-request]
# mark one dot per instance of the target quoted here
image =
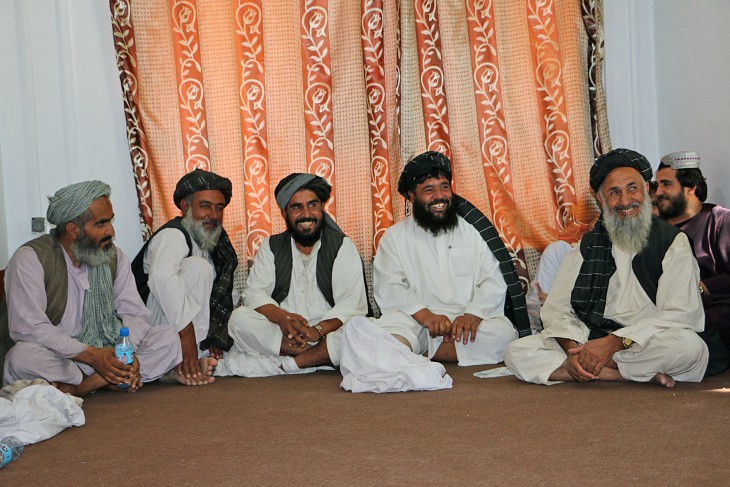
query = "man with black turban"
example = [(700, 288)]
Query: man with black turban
[(625, 304), (185, 273), (442, 279), (304, 284), (69, 293)]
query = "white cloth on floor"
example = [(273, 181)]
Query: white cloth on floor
[(34, 411), (242, 364), (374, 361), (493, 373)]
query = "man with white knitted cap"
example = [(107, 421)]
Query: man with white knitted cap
[(68, 294), (680, 198)]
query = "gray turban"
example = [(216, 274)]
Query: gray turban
[(615, 159), (421, 165), (201, 180), (298, 181), (71, 201)]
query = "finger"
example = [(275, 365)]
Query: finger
[(457, 330)]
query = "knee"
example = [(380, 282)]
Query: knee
[(197, 268), (20, 362)]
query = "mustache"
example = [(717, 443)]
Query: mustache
[(210, 221), (108, 238), (305, 220)]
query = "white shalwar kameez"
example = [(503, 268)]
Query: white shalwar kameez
[(45, 351), (255, 335), (664, 335), (180, 286), (452, 274)]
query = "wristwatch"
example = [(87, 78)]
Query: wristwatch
[(321, 332), (627, 342)]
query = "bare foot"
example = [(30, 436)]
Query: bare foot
[(88, 385), (207, 365), (664, 380)]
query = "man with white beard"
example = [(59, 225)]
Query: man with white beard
[(625, 305), (184, 273)]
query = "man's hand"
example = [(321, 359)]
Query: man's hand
[(190, 366), (135, 379), (295, 327), (105, 363), (216, 353), (437, 325), (464, 328), (595, 354), (573, 366)]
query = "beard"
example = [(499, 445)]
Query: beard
[(630, 234), (436, 225), (676, 207), (92, 253), (305, 239), (206, 239)]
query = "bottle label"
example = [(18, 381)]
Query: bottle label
[(124, 355), (7, 453)]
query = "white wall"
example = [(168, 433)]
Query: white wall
[(61, 114), (667, 89), (62, 117)]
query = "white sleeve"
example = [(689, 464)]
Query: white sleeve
[(348, 285), (391, 288), (261, 279)]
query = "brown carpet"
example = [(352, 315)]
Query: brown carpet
[(305, 430)]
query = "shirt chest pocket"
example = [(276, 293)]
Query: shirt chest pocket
[(464, 262)]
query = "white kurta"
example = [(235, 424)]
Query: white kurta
[(180, 286), (452, 274), (254, 334), (664, 334), (44, 351)]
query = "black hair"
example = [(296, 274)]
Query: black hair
[(691, 178)]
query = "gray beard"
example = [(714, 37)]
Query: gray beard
[(630, 234), (206, 240), (88, 252)]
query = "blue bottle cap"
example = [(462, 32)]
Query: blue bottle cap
[(124, 331)]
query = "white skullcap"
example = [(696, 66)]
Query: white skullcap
[(682, 160)]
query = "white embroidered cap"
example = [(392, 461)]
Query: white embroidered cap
[(682, 160)]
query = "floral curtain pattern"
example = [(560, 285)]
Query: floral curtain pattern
[(256, 89)]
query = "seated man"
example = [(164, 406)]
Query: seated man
[(680, 197), (441, 276), (304, 284), (68, 294), (625, 303), (550, 261), (185, 271)]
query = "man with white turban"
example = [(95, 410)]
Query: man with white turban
[(304, 284), (185, 271), (680, 198), (625, 304), (68, 293)]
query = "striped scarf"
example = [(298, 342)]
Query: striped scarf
[(515, 307), (100, 324)]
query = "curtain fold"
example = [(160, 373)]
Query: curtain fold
[(350, 90)]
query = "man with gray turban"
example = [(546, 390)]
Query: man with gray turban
[(304, 284), (185, 273), (68, 295), (680, 197), (625, 304)]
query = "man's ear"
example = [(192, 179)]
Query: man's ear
[(184, 206), (73, 229), (600, 198), (689, 190)]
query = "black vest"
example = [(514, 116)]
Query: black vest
[(280, 244)]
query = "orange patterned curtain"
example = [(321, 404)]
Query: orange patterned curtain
[(350, 90)]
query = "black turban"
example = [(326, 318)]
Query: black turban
[(298, 181), (615, 159), (421, 165), (201, 180)]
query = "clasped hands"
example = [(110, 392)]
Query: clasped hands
[(586, 361), (463, 329)]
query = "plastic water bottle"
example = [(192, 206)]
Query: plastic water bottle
[(124, 350), (10, 448)]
